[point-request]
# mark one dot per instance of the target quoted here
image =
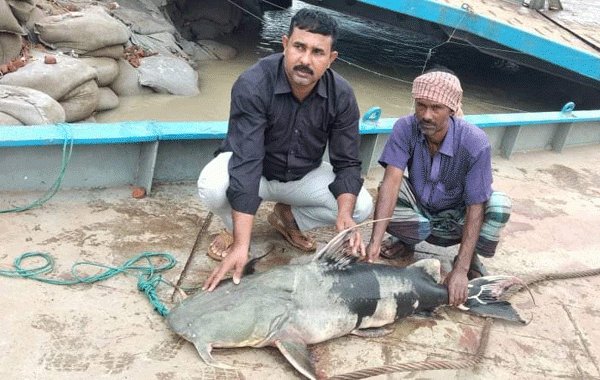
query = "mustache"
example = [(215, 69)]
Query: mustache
[(304, 69)]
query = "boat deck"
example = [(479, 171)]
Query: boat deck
[(109, 330), (561, 26), (564, 43)]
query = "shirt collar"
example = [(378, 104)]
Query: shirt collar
[(447, 147), (282, 86)]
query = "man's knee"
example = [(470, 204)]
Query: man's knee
[(213, 181), (364, 206), (498, 208), (411, 231)]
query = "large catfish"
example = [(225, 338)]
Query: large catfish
[(292, 306)]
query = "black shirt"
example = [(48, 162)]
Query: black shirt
[(274, 135)]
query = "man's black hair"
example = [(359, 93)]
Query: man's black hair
[(315, 21)]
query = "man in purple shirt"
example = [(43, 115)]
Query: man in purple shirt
[(285, 110), (447, 196)]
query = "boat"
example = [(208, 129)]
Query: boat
[(518, 32)]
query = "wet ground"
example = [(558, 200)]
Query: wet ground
[(109, 330)]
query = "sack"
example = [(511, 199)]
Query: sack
[(81, 32), (80, 102), (10, 47), (21, 105), (168, 74), (8, 22), (55, 80)]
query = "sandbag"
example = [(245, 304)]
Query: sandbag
[(28, 107), (107, 99), (8, 22), (107, 69), (168, 75), (80, 102), (8, 120), (10, 47), (161, 43), (219, 50), (114, 52), (127, 82), (143, 22), (81, 32), (55, 80), (218, 11), (22, 9)]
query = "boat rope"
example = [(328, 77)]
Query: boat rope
[(428, 365), (148, 278), (67, 149), (466, 7)]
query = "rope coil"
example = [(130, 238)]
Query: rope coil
[(148, 278)]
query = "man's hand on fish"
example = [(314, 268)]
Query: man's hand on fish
[(236, 259), (457, 283), (373, 250), (355, 242)]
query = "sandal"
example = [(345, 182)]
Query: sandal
[(293, 235), (220, 244), (394, 248)]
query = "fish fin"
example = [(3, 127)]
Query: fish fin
[(376, 332), (296, 352), (485, 297), (204, 350), (335, 252)]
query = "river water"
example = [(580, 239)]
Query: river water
[(380, 62)]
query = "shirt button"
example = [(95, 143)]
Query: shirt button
[(295, 131)]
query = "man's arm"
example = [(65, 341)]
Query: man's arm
[(457, 279), (237, 254), (384, 207), (346, 203)]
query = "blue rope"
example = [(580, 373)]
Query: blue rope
[(148, 279), (67, 150)]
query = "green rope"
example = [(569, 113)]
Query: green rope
[(66, 157), (148, 279)]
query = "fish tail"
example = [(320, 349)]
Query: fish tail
[(487, 297)]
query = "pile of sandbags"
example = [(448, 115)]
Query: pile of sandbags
[(85, 55)]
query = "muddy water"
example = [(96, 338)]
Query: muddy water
[(380, 62)]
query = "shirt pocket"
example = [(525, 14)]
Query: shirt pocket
[(448, 194)]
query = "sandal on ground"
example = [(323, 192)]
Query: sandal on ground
[(221, 242), (393, 248), (293, 235), (476, 270)]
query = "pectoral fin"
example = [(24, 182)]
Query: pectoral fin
[(204, 350), (296, 352)]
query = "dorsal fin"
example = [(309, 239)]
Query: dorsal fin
[(336, 253)]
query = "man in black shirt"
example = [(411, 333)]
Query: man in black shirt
[(285, 110)]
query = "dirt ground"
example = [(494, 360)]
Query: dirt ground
[(109, 330)]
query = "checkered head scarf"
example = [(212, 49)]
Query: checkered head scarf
[(440, 87)]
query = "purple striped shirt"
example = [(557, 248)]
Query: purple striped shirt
[(459, 174)]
